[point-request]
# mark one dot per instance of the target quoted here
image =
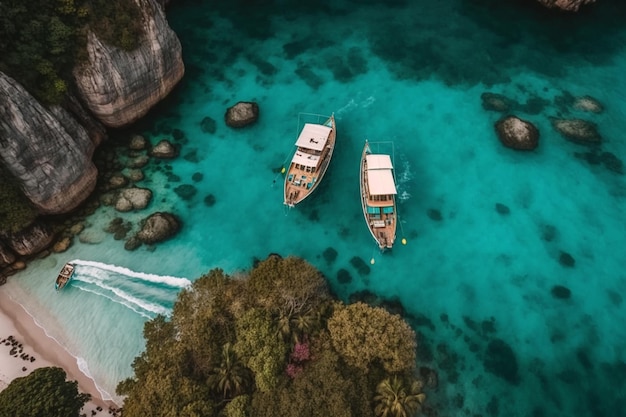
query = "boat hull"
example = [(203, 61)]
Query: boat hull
[(64, 276), (299, 183), (380, 216)]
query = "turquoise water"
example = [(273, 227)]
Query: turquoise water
[(477, 283)]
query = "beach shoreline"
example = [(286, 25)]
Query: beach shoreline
[(17, 322)]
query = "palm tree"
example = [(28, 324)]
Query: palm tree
[(230, 378), (393, 399)]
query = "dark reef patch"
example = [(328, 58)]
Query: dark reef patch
[(209, 200), (197, 176), (330, 255), (308, 76), (192, 156), (502, 209), (561, 292), (583, 359), (186, 191), (171, 177), (343, 276), (434, 214), (566, 260), (548, 232), (208, 125), (500, 361), (615, 297), (360, 265)]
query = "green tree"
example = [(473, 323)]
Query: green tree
[(238, 407), (44, 392), (230, 377), (260, 349), (395, 398), (370, 336)]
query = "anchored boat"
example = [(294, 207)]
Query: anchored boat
[(64, 276), (378, 196), (314, 150)]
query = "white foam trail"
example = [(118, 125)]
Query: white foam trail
[(176, 282), (151, 307), (123, 302)]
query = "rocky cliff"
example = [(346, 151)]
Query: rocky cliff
[(47, 150), (570, 5), (118, 86)]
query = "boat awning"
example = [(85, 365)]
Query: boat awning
[(378, 161), (305, 159), (313, 136), (388, 210), (379, 176), (373, 210)]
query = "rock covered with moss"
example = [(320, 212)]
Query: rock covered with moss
[(121, 86)]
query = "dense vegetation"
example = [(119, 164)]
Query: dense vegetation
[(44, 392), (42, 40), (273, 343)]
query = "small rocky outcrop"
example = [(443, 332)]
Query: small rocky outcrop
[(137, 143), (133, 198), (29, 241), (158, 227), (163, 150), (578, 131), (208, 125), (7, 256), (517, 134), (118, 86), (588, 104), (569, 5), (242, 114), (46, 150)]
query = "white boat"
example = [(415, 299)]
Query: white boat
[(64, 276), (314, 150), (378, 196)]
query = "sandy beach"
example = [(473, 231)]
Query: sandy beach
[(16, 322)]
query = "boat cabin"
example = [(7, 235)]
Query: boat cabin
[(381, 187)]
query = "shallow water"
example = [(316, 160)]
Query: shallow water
[(477, 280)]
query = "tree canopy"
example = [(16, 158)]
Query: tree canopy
[(266, 343), (44, 392)]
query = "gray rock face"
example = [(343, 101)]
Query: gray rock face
[(119, 86), (29, 241), (242, 114), (570, 5), (516, 133), (158, 227), (47, 151)]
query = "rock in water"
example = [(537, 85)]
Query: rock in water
[(242, 114), (569, 5), (516, 133), (578, 131), (158, 227)]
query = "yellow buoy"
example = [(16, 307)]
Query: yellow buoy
[(372, 261), (282, 171), (403, 241)]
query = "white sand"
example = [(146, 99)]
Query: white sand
[(16, 322)]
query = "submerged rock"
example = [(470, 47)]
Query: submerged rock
[(133, 199), (588, 103), (137, 143), (497, 102), (578, 131), (517, 134), (242, 114)]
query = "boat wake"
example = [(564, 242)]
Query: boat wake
[(146, 294)]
